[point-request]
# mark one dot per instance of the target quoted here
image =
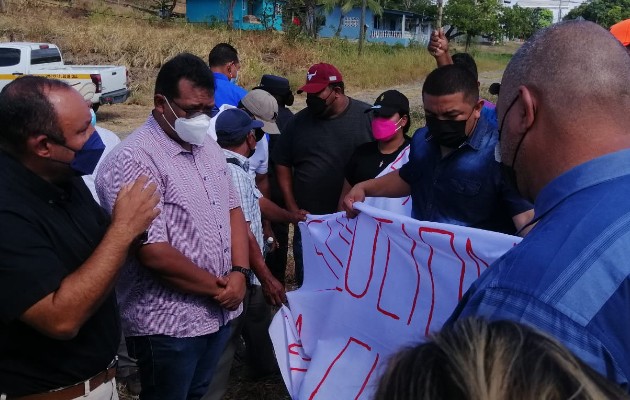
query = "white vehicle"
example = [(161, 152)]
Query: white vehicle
[(44, 59)]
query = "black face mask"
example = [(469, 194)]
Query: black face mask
[(508, 171), (447, 133), (317, 105)]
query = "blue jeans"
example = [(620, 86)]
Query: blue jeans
[(177, 368)]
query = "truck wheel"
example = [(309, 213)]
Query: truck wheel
[(95, 107)]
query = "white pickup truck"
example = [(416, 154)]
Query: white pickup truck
[(44, 59)]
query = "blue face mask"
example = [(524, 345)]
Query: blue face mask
[(88, 156), (93, 122)]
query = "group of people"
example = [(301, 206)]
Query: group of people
[(190, 222)]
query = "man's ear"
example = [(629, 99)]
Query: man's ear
[(527, 108), (478, 107), (39, 145), (159, 102)]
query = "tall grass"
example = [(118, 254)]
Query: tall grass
[(98, 32)]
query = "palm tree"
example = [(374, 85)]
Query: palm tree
[(347, 5)]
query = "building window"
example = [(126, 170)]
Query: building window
[(350, 22)]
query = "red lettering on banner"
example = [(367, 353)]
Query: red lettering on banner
[(328, 247), (413, 257), (330, 367), (298, 325), (291, 351), (451, 235), (319, 253), (298, 369), (367, 284), (380, 292), (474, 257), (339, 233)]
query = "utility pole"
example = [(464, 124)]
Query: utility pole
[(560, 11)]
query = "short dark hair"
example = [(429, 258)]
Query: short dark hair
[(183, 66), (221, 54), (467, 61), (451, 79), (339, 85), (25, 111)]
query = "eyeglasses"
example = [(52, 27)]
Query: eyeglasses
[(193, 112)]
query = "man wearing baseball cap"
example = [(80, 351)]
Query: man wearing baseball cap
[(236, 134), (388, 153), (316, 145)]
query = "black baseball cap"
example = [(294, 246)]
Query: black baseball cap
[(389, 103)]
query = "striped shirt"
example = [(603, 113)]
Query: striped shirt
[(196, 196), (570, 276), (249, 193)]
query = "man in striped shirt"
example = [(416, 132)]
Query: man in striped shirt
[(179, 292)]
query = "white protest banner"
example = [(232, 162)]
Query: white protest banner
[(373, 285)]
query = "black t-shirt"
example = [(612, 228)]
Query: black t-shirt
[(318, 150), (284, 116), (367, 162), (45, 234)]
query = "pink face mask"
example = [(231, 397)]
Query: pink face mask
[(383, 129)]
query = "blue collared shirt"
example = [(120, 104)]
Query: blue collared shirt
[(464, 188), (570, 276), (225, 92)]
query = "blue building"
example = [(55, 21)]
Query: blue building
[(246, 14), (391, 27)]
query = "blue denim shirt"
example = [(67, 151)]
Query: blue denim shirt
[(464, 188), (570, 276), (225, 92)]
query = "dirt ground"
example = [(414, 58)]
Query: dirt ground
[(124, 118)]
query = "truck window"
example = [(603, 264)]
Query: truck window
[(45, 56), (9, 57)]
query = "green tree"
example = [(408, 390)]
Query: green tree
[(544, 17), (473, 18), (520, 22), (603, 12)]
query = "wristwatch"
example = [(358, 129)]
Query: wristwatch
[(249, 275)]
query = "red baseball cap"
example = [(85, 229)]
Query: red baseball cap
[(621, 31), (319, 76)]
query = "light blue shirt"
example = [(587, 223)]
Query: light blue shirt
[(570, 276)]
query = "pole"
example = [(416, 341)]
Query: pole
[(560, 11), (440, 5), (362, 27)]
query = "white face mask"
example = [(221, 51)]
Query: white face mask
[(191, 130), (235, 79)]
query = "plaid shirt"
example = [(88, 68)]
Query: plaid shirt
[(196, 197), (246, 187)]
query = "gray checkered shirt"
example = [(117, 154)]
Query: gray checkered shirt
[(249, 193)]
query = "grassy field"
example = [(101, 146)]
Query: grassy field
[(92, 32)]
